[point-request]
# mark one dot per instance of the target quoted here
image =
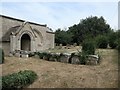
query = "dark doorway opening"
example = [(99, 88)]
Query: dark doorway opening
[(25, 42)]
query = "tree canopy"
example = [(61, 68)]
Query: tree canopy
[(90, 27), (62, 37)]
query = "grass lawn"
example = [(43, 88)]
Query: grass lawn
[(62, 75)]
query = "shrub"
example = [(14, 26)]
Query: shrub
[(112, 40), (54, 57), (48, 55), (18, 80), (31, 54), (40, 54), (101, 42), (113, 45), (1, 56), (88, 47), (83, 58)]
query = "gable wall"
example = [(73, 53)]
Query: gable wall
[(8, 23)]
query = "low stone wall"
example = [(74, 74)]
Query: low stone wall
[(20, 53), (70, 58), (60, 57)]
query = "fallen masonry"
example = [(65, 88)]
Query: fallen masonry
[(72, 58)]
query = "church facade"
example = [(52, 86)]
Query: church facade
[(17, 34)]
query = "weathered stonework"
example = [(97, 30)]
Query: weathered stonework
[(16, 34), (75, 60), (64, 58)]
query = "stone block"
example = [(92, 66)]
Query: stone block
[(52, 59), (75, 60), (24, 56), (64, 58), (17, 54), (36, 56), (10, 55), (92, 60)]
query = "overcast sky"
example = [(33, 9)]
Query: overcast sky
[(61, 14)]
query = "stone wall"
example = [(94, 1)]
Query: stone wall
[(41, 41), (69, 58), (6, 48), (49, 40), (7, 23)]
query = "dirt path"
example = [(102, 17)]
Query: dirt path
[(61, 75)]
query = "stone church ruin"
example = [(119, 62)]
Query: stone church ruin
[(18, 35)]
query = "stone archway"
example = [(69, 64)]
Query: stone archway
[(26, 42)]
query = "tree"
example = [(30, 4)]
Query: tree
[(63, 37), (89, 28), (118, 40), (112, 40), (101, 41)]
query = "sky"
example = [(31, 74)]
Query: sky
[(59, 14)]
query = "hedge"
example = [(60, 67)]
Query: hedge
[(19, 80)]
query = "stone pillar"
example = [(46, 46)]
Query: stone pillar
[(33, 46), (18, 44), (12, 43), (36, 45)]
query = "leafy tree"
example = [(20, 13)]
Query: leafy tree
[(112, 40), (118, 40), (89, 28), (63, 37), (118, 45), (101, 41)]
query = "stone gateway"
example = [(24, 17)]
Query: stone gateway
[(17, 35)]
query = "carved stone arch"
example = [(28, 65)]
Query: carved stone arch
[(32, 40), (27, 32)]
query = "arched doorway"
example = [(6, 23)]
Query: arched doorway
[(25, 42)]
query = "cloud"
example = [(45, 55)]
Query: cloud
[(60, 14)]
